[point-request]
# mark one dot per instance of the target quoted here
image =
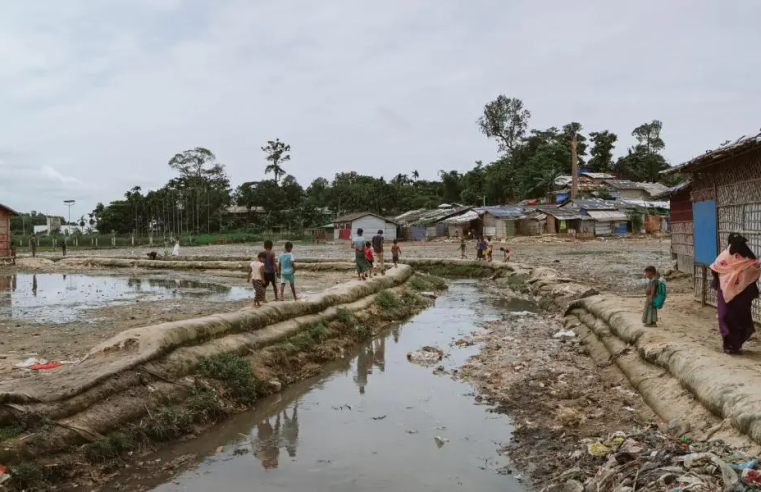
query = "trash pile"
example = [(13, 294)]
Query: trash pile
[(651, 460), (426, 356)]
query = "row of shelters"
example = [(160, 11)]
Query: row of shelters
[(721, 195)]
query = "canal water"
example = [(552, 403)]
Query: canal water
[(61, 297), (372, 422)]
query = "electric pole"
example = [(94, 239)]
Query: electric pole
[(69, 203)]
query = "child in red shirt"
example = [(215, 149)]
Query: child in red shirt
[(369, 255)]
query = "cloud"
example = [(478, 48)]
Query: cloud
[(107, 93)]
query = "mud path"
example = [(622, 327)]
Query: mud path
[(370, 423)]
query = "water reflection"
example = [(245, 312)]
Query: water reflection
[(370, 355), (59, 298), (274, 434)]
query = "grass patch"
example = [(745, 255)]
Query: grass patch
[(345, 316), (427, 283), (387, 300), (205, 405), (12, 430), (27, 476), (108, 449), (170, 423), (234, 372)]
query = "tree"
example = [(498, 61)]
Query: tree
[(648, 136), (277, 153), (415, 175), (569, 131), (505, 120), (602, 151)]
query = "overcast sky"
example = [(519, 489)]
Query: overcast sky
[(97, 95)]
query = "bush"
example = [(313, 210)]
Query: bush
[(234, 372), (170, 423), (205, 405), (107, 449), (387, 300), (11, 430), (27, 476)]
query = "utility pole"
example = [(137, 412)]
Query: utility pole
[(574, 168), (69, 203)]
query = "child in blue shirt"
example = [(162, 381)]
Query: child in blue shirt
[(287, 267)]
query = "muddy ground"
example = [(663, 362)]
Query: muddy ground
[(553, 390), (60, 316), (610, 264)]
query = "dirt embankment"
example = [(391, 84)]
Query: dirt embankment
[(596, 396)]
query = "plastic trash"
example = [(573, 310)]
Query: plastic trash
[(440, 441), (746, 465), (46, 365), (751, 476), (598, 449), (564, 334)]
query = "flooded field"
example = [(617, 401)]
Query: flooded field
[(374, 421), (60, 298)]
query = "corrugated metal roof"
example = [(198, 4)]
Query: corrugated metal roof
[(359, 215), (437, 215), (673, 190), (9, 209), (599, 175), (623, 184), (607, 215), (653, 189), (411, 216), (558, 213), (461, 219), (501, 212), (644, 203), (742, 144), (589, 204)]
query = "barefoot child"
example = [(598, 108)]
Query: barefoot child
[(369, 257), (650, 313), (396, 250), (462, 249), (489, 249), (287, 267), (270, 267), (256, 277)]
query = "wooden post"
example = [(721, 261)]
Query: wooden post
[(704, 290), (574, 168)]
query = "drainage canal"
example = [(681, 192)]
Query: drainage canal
[(372, 422)]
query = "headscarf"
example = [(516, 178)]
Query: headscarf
[(737, 267)]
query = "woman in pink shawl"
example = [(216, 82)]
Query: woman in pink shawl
[(735, 275)]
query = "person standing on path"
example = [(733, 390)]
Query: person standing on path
[(33, 244), (287, 265), (358, 244), (270, 266), (650, 313), (256, 277), (378, 253), (735, 275)]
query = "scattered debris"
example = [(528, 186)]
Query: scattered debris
[(464, 342), (241, 451), (426, 356), (564, 334), (379, 417), (440, 441)]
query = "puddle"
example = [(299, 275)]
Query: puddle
[(60, 298), (369, 423)]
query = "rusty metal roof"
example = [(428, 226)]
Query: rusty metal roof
[(9, 209)]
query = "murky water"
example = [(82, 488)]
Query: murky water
[(59, 298), (370, 423)]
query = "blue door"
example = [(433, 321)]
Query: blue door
[(704, 231)]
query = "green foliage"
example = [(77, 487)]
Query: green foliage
[(387, 300), (427, 283), (505, 120), (602, 151), (636, 221), (108, 449), (170, 422), (27, 476), (277, 153), (205, 405), (345, 316), (11, 430), (234, 372)]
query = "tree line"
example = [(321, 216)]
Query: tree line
[(527, 164)]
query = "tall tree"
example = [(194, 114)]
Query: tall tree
[(644, 162), (602, 151), (277, 154), (415, 175), (648, 136), (505, 120)]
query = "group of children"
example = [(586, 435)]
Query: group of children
[(484, 250), (266, 269), (374, 254)]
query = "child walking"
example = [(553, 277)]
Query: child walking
[(396, 250), (650, 313), (462, 249), (256, 277), (287, 267), (270, 267), (489, 249), (369, 257)]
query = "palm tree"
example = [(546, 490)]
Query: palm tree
[(277, 153), (415, 175)]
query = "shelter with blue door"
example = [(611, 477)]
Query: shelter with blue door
[(726, 198)]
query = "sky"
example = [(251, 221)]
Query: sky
[(97, 95)]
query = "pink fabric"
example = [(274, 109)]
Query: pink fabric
[(735, 273)]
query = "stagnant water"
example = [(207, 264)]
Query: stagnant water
[(369, 423), (61, 297)]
